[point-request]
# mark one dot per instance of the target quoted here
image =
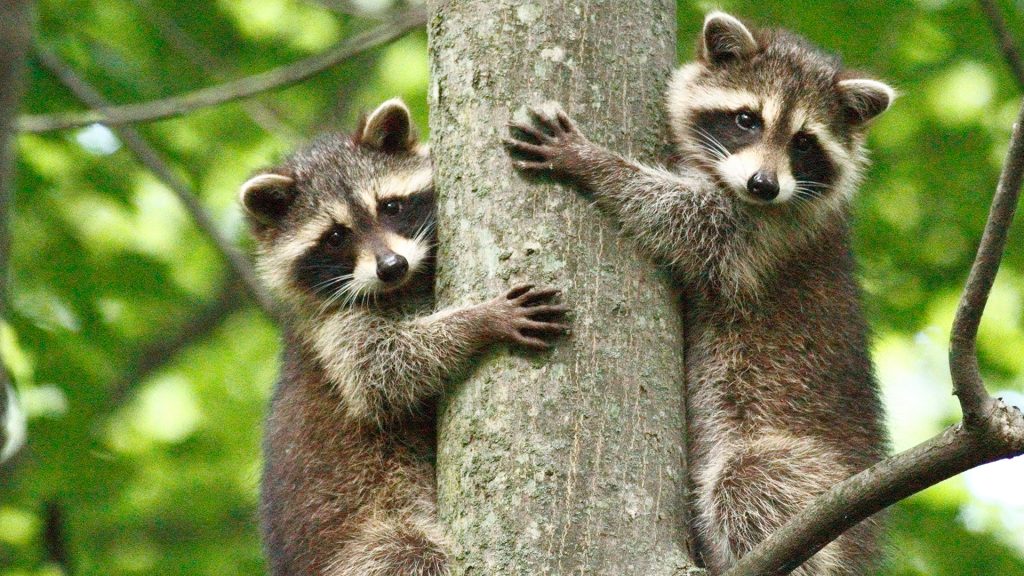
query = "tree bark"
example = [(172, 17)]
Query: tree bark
[(569, 462), (15, 36)]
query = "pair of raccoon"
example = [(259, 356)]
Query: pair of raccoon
[(752, 219)]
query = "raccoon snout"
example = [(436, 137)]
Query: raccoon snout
[(763, 185), (391, 267)]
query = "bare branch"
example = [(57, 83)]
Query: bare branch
[(230, 91), (349, 8), (263, 115), (858, 497), (991, 430), (149, 157), (1007, 45), (15, 37), (162, 351), (55, 537), (963, 359)]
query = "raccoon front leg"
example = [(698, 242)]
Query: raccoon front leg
[(748, 491), (385, 368), (671, 215)]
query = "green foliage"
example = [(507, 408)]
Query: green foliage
[(164, 481)]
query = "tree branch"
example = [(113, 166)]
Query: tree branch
[(15, 37), (160, 352), (230, 91), (55, 538), (1007, 45), (263, 115), (148, 156), (991, 430), (349, 8)]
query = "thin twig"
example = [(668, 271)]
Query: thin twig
[(263, 115), (963, 358), (149, 157), (1007, 45), (15, 38), (230, 91), (991, 430), (157, 354), (348, 8)]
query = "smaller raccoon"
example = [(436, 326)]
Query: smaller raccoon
[(753, 221), (345, 229)]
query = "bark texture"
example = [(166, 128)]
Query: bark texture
[(569, 462)]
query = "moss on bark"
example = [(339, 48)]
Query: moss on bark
[(569, 462)]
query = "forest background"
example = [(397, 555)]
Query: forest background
[(145, 368)]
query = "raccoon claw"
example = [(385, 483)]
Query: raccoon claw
[(525, 315), (531, 342), (530, 131), (524, 147), (558, 125), (550, 141), (533, 166), (518, 291)]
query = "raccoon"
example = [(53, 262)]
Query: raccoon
[(345, 234), (752, 218)]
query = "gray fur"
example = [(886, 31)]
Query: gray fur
[(349, 485), (782, 401)]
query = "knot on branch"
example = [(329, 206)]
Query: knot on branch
[(1005, 427)]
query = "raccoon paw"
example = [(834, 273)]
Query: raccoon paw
[(527, 316), (552, 142)]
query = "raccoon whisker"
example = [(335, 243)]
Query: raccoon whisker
[(345, 293), (810, 184), (807, 193), (330, 300), (714, 146), (424, 232), (332, 281)]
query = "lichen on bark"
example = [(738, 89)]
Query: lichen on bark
[(569, 462)]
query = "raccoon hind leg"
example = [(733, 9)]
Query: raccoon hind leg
[(393, 547), (756, 487)]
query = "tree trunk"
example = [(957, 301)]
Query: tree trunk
[(569, 462), (15, 36)]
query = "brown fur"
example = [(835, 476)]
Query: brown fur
[(348, 485), (782, 401)]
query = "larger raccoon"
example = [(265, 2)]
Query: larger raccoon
[(345, 230), (752, 218)]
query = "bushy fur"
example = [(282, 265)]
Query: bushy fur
[(346, 231), (782, 401)]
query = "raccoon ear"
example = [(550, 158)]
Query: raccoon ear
[(725, 38), (267, 197), (389, 128), (863, 99)]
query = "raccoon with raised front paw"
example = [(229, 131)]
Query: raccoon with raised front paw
[(753, 218), (345, 230)]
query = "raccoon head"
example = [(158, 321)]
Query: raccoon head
[(347, 220), (770, 117)]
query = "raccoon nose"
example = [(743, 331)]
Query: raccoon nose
[(763, 185), (391, 267)]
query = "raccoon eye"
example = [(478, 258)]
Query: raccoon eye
[(391, 208), (747, 120), (803, 142), (336, 238)]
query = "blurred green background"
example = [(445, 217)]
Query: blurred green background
[(162, 478)]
